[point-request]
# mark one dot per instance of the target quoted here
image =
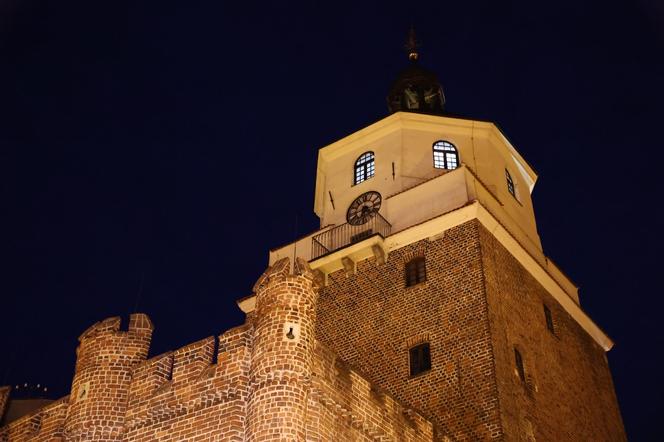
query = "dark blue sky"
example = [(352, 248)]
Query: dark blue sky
[(152, 152)]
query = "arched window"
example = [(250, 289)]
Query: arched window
[(445, 155), (364, 167), (416, 271), (510, 183)]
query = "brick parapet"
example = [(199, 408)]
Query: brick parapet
[(101, 341), (44, 424), (198, 387), (185, 395)]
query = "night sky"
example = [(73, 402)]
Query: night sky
[(152, 152)]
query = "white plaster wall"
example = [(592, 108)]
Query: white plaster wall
[(406, 140), (427, 200), (339, 176)]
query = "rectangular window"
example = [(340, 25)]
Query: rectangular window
[(549, 320), (416, 271), (420, 359)]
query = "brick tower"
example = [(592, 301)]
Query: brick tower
[(436, 285), (283, 352), (423, 309), (105, 358)]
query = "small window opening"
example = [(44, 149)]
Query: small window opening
[(416, 271), (519, 365), (510, 183), (420, 359), (445, 155), (549, 319), (365, 167)]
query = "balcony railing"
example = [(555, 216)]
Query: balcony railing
[(346, 234)]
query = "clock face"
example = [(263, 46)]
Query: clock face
[(363, 208)]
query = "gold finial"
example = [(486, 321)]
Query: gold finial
[(412, 45)]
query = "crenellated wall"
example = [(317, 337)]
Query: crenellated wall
[(181, 394), (262, 385)]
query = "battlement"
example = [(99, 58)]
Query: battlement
[(139, 323), (187, 380), (188, 364), (234, 386), (105, 341)]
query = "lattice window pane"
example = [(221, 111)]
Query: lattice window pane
[(445, 155), (438, 159), (451, 160), (364, 167)]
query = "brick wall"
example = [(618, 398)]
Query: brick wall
[(183, 395), (263, 385), (43, 425), (283, 353), (568, 394), (477, 304), (105, 358), (371, 319), (352, 382), (343, 405)]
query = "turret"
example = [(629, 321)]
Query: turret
[(104, 360), (283, 352)]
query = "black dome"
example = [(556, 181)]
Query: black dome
[(416, 90)]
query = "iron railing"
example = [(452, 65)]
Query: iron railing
[(346, 234)]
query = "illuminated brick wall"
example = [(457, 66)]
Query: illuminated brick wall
[(332, 364), (105, 358), (371, 319), (475, 306), (264, 385), (568, 394)]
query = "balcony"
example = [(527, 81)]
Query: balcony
[(346, 234)]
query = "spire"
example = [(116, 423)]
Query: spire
[(415, 89), (412, 44)]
